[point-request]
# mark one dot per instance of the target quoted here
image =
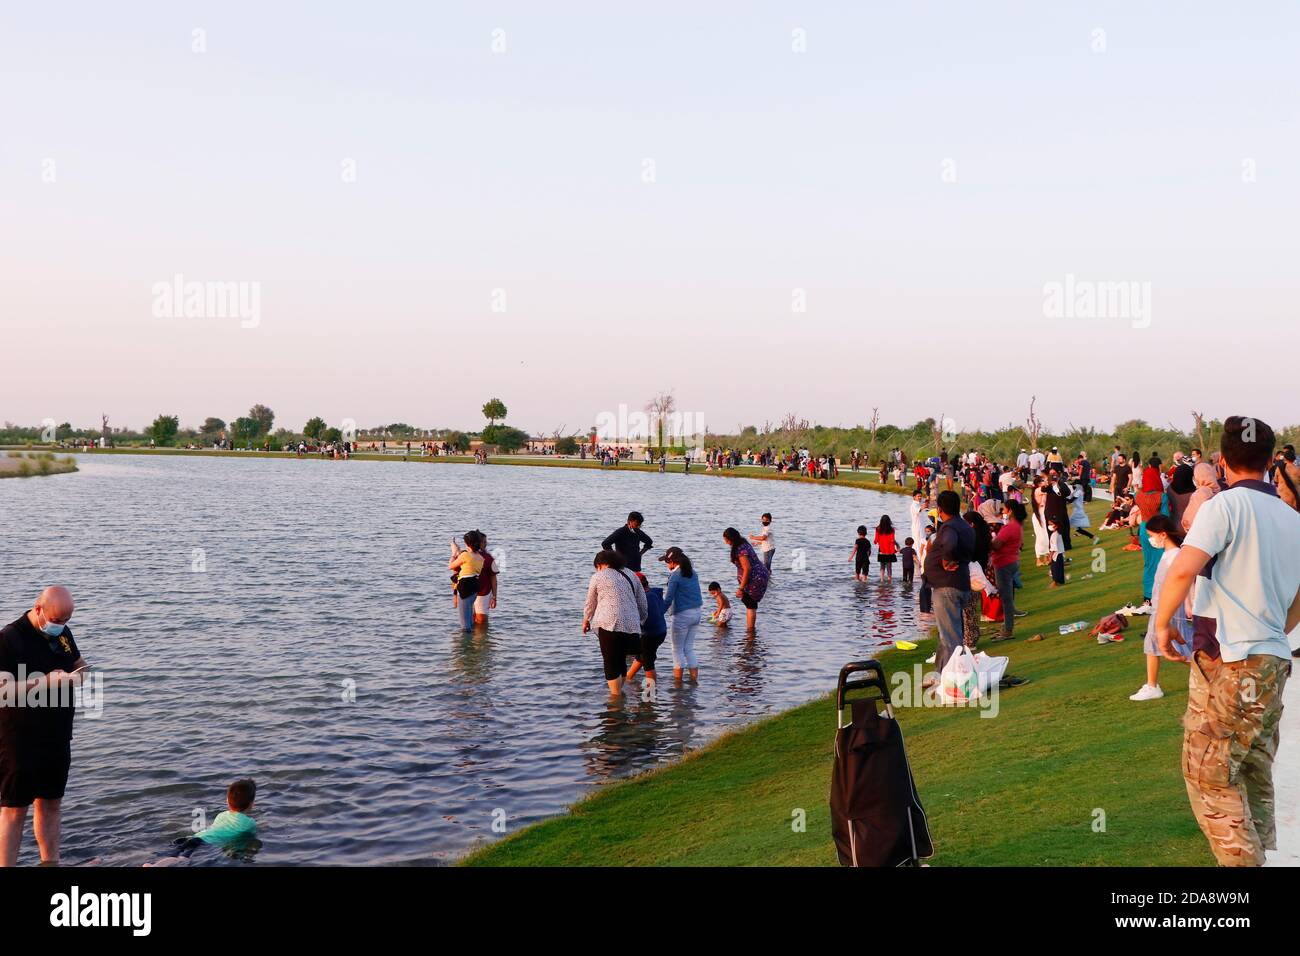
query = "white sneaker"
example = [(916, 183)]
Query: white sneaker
[(930, 659), (1126, 610), (1144, 609), (1148, 692)]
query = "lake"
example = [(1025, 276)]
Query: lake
[(292, 621)]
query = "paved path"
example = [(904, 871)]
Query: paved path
[(1286, 776)]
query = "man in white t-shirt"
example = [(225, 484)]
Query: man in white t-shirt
[(1036, 461), (1243, 555)]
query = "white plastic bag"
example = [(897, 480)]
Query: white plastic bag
[(968, 677)]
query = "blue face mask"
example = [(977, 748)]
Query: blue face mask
[(52, 629)]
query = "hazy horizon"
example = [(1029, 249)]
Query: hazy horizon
[(763, 207)]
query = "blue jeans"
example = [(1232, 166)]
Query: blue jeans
[(465, 606), (1006, 584), (949, 603)]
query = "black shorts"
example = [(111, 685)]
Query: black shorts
[(749, 602), (862, 564), (649, 651), (35, 771), (615, 646), (886, 558)]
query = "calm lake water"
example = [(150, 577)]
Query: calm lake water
[(317, 577)]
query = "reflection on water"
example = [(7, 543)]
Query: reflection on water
[(316, 649)]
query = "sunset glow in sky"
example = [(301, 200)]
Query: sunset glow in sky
[(816, 208)]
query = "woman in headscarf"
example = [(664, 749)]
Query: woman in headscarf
[(1206, 480)]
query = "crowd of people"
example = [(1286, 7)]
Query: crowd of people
[(1220, 543), (1220, 539)]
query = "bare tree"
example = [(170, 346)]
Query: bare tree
[(875, 424), (1033, 426), (660, 408), (1199, 418), (936, 432), (795, 429)]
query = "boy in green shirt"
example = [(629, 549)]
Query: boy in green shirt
[(232, 827)]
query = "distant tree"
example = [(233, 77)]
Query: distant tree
[(245, 429), (314, 428), (330, 435), (494, 411), (566, 445), (212, 427), (164, 428), (264, 417), (457, 441), (63, 432), (505, 437)]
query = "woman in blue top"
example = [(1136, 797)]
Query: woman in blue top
[(683, 600)]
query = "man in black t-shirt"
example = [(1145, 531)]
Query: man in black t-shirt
[(38, 661), (1119, 476), (630, 541)]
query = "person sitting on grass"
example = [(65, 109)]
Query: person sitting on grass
[(1117, 517), (233, 829), (722, 613)]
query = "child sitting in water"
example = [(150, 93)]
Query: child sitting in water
[(233, 828), (722, 613)]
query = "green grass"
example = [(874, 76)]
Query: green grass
[(1020, 789)]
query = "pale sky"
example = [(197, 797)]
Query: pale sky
[(920, 172)]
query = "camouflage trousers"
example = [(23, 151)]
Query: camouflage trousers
[(1230, 737)]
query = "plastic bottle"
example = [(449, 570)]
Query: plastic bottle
[(1071, 628)]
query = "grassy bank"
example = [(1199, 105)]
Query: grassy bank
[(16, 464), (1069, 772)]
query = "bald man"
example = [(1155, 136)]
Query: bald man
[(38, 658)]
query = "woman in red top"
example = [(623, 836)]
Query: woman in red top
[(886, 547), (1004, 557)]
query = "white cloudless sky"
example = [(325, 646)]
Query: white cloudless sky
[(774, 171)]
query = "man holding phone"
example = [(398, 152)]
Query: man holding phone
[(39, 666)]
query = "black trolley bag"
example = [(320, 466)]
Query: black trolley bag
[(876, 815)]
